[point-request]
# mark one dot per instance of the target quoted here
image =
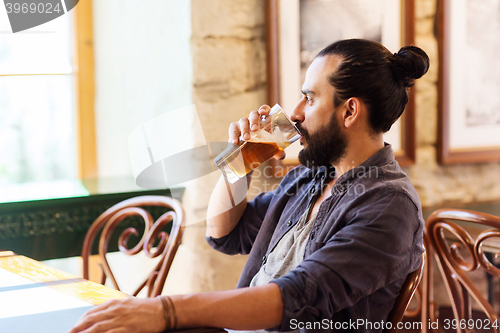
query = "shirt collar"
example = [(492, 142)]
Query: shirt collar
[(367, 168), (325, 172)]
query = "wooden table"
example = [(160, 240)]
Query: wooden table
[(35, 297)]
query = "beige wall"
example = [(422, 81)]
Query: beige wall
[(228, 50), (134, 72)]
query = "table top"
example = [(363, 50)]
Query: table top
[(39, 298), (37, 272)]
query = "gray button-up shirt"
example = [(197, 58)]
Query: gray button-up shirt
[(366, 239)]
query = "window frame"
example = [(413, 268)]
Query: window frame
[(84, 90)]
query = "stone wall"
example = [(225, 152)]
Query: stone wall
[(439, 185), (229, 71)]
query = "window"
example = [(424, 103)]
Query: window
[(40, 111)]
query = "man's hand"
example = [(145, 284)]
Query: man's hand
[(242, 309), (132, 315), (246, 125)]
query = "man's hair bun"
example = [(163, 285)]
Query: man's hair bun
[(409, 64)]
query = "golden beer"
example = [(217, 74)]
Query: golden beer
[(248, 155)]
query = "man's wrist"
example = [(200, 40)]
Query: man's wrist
[(168, 311)]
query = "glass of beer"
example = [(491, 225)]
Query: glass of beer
[(276, 133)]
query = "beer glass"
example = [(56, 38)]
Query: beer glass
[(276, 133)]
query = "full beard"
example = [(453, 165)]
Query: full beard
[(325, 147)]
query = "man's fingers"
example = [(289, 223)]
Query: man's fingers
[(92, 316), (117, 330), (280, 155), (106, 326), (103, 326), (82, 323), (245, 125), (234, 133), (264, 110), (254, 118), (87, 323), (122, 316), (245, 128)]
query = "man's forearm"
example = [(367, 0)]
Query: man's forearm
[(246, 308), (226, 206)]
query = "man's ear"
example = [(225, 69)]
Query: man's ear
[(352, 111)]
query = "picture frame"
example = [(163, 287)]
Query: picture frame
[(284, 66), (468, 88)]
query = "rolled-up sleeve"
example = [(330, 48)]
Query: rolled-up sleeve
[(368, 253), (242, 237)]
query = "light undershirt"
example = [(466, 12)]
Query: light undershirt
[(288, 253)]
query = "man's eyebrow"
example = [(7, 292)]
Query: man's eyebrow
[(307, 92)]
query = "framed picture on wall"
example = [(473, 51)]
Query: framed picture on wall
[(469, 81), (298, 29)]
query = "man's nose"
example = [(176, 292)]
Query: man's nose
[(298, 112)]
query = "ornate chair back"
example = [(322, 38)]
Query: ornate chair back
[(405, 296), (167, 243), (449, 249)]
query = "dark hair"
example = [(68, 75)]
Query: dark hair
[(369, 71)]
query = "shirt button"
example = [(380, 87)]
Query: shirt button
[(289, 223), (264, 259), (312, 190), (338, 189), (323, 177)]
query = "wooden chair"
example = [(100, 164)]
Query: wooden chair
[(166, 248), (405, 296), (449, 250)]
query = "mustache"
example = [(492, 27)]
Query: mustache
[(302, 130)]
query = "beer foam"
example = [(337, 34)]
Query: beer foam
[(264, 136)]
